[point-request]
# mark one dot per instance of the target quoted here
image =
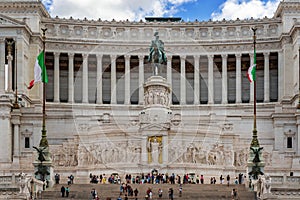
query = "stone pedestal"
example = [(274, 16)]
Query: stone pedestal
[(155, 122), (255, 166), (44, 170), (6, 130)]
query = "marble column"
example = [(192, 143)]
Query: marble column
[(267, 77), (169, 75), (182, 81), (280, 75), (21, 63), (141, 79), (9, 78), (99, 78), (251, 84), (127, 80), (238, 79), (71, 78), (196, 80), (297, 139), (113, 73), (224, 79), (85, 84), (56, 76), (2, 65), (165, 152), (210, 79)]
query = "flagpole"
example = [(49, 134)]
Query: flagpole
[(44, 141), (254, 142)]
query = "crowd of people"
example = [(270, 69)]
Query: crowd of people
[(152, 178), (126, 189)]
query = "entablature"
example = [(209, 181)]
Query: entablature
[(168, 32)]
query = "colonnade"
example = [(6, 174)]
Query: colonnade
[(141, 76)]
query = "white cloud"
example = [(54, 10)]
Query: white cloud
[(114, 9), (243, 9)]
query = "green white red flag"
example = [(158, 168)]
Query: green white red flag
[(40, 73), (251, 73)]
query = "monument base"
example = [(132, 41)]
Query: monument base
[(44, 171)]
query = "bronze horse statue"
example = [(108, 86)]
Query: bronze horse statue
[(157, 54)]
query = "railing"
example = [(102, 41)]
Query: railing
[(9, 180), (285, 180)]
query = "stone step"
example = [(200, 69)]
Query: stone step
[(190, 191)]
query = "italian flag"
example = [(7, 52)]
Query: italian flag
[(251, 74), (40, 73)]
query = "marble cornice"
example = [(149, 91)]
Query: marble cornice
[(288, 7), (23, 7), (142, 23), (285, 39), (174, 49), (295, 31)]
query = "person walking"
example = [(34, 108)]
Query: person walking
[(180, 190), (67, 191), (234, 194), (62, 190), (160, 192), (171, 193), (136, 193), (202, 179), (228, 180)]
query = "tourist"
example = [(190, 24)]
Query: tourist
[(180, 190), (72, 179), (136, 193), (159, 193), (236, 181), (94, 193), (221, 179), (69, 180), (179, 179), (150, 194), (67, 191), (103, 179), (202, 179), (57, 178), (234, 195), (240, 178), (62, 190), (121, 189), (197, 179), (171, 193), (126, 197), (228, 180), (119, 198)]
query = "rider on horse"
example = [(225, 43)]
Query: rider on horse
[(157, 52)]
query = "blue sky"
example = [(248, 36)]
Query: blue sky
[(134, 10)]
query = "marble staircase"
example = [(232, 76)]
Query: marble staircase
[(190, 191)]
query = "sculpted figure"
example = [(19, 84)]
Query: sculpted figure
[(267, 184), (154, 148), (41, 153), (157, 53), (256, 152)]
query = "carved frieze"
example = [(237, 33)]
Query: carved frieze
[(156, 95)]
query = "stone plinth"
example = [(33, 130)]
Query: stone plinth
[(155, 122), (43, 170)]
